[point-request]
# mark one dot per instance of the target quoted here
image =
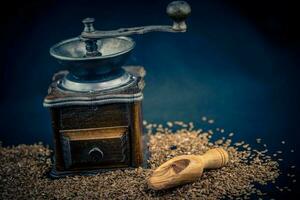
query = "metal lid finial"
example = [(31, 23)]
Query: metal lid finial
[(88, 24)]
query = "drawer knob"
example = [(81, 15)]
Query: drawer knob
[(96, 154)]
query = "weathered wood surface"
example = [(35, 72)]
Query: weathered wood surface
[(111, 147), (80, 117), (132, 91), (136, 136), (77, 121)]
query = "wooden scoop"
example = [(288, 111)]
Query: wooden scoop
[(186, 168)]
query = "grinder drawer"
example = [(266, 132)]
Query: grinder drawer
[(99, 147)]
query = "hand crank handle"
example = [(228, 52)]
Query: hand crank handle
[(177, 10)]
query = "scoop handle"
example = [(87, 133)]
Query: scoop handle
[(214, 158)]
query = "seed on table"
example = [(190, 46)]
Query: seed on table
[(246, 170), (258, 140), (211, 121), (170, 124), (191, 126)]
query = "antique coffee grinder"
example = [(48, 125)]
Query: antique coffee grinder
[(95, 104)]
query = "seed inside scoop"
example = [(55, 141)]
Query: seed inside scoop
[(180, 165)]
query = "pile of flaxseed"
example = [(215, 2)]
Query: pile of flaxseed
[(24, 168)]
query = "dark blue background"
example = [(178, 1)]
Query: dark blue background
[(238, 64)]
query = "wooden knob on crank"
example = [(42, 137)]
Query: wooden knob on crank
[(179, 11), (186, 168)]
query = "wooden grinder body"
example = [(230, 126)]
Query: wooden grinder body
[(95, 136)]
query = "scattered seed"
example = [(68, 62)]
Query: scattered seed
[(211, 121), (170, 124), (23, 171), (191, 126), (258, 140)]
